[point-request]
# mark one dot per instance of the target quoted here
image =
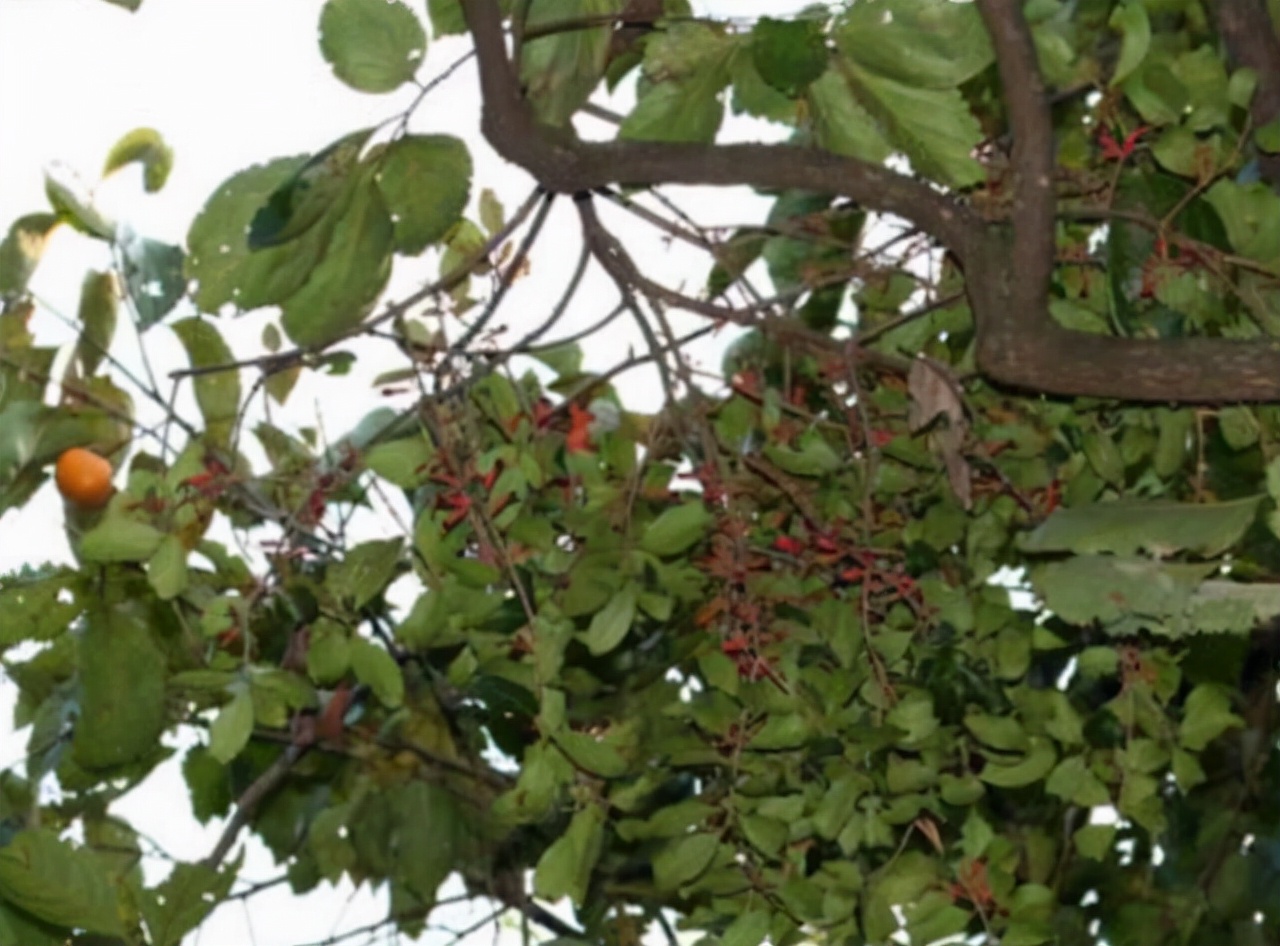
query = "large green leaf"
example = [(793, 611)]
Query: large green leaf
[(560, 70), (932, 126), (788, 54), (219, 259), (182, 901), (840, 124), (425, 182), (925, 44), (309, 194), (373, 45), (118, 723), (99, 304), (343, 286), (57, 883), (1160, 526), (686, 68)]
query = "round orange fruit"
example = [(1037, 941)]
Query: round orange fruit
[(83, 478)]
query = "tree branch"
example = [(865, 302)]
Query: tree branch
[(1008, 270), (562, 163)]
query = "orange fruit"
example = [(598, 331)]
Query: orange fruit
[(83, 478)]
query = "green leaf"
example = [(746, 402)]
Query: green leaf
[(230, 731), (21, 250), (73, 203), (344, 284), (310, 193), (683, 859), (590, 754), (365, 571), (788, 54), (676, 529), (1267, 138), (1032, 767), (99, 304), (118, 724), (116, 539), (373, 45), (1205, 716), (747, 929), (183, 901), (432, 836), (146, 147), (559, 71), (925, 44), (1095, 840), (378, 670), (57, 883), (153, 276), (933, 127), (403, 462), (217, 392), (686, 67), (841, 124), (1124, 526), (329, 653), (167, 569), (1130, 20), (611, 623), (1251, 215), (424, 214), (446, 17), (565, 868)]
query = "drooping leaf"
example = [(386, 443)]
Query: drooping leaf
[(73, 204), (373, 45), (146, 147), (21, 250), (217, 387), (99, 303)]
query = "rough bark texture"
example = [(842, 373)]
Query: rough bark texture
[(1008, 267)]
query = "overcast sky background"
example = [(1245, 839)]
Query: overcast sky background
[(230, 83)]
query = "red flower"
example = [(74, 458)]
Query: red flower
[(1113, 151)]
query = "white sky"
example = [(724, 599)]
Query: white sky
[(230, 83)]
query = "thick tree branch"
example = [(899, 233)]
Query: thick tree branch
[(1033, 154), (562, 163), (1008, 270), (1251, 40)]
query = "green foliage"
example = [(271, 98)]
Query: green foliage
[(839, 650)]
